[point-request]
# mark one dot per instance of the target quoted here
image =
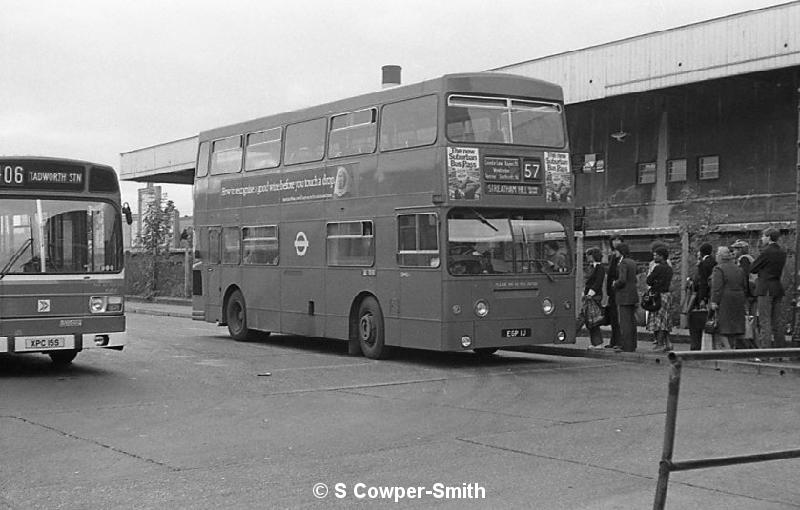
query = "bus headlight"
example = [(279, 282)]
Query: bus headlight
[(561, 336), (97, 304), (481, 308), (547, 306), (466, 341), (102, 304)]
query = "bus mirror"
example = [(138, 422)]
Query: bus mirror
[(126, 210)]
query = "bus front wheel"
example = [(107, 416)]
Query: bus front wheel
[(370, 329), (62, 358), (236, 317)]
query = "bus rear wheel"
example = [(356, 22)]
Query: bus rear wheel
[(370, 329), (236, 317), (62, 358)]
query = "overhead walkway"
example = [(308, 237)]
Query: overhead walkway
[(170, 162)]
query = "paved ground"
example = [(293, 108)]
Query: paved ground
[(643, 354), (185, 417)]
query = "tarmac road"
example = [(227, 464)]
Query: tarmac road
[(187, 418)]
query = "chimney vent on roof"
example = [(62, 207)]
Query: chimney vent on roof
[(391, 76)]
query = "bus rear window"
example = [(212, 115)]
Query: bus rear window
[(508, 121)]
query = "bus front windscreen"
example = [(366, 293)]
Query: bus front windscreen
[(500, 120), (484, 242), (59, 236)]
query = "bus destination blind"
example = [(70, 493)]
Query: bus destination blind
[(41, 175)]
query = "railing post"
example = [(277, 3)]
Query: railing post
[(669, 434)]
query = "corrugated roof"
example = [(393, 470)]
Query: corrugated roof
[(750, 41)]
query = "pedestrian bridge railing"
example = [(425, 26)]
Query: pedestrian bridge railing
[(667, 465)]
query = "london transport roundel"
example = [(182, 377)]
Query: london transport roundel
[(301, 243)]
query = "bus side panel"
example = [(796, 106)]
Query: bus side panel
[(262, 293), (302, 279), (421, 307), (344, 284), (409, 171)]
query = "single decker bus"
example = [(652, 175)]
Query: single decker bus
[(436, 215), (61, 257)]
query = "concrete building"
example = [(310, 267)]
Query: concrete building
[(696, 123)]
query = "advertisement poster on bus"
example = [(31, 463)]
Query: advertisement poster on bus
[(463, 173), (558, 177), (311, 184)]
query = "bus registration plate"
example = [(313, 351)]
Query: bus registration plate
[(516, 333), (35, 343)]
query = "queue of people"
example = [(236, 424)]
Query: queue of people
[(743, 294)]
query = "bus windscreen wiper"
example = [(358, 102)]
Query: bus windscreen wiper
[(483, 220), (17, 254)]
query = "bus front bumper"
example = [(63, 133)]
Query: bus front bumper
[(507, 333), (56, 334)]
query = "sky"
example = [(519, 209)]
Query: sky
[(90, 79)]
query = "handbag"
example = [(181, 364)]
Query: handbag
[(592, 312), (711, 324), (651, 300), (749, 327)]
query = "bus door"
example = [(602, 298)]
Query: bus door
[(420, 279), (213, 271)]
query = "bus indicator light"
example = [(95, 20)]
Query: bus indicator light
[(481, 308), (547, 306), (466, 341)]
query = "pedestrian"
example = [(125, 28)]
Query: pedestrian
[(727, 300), (698, 314), (627, 297), (659, 280), (611, 275), (650, 266), (769, 290), (744, 260), (594, 290)]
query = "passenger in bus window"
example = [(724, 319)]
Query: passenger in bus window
[(556, 261)]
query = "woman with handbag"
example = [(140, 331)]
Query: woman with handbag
[(727, 299), (659, 321), (593, 297)]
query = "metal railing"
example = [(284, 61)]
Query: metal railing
[(667, 465)]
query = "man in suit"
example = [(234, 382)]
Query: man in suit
[(627, 296), (611, 275), (769, 291)]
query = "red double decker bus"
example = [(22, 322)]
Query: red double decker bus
[(437, 215), (61, 258)]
